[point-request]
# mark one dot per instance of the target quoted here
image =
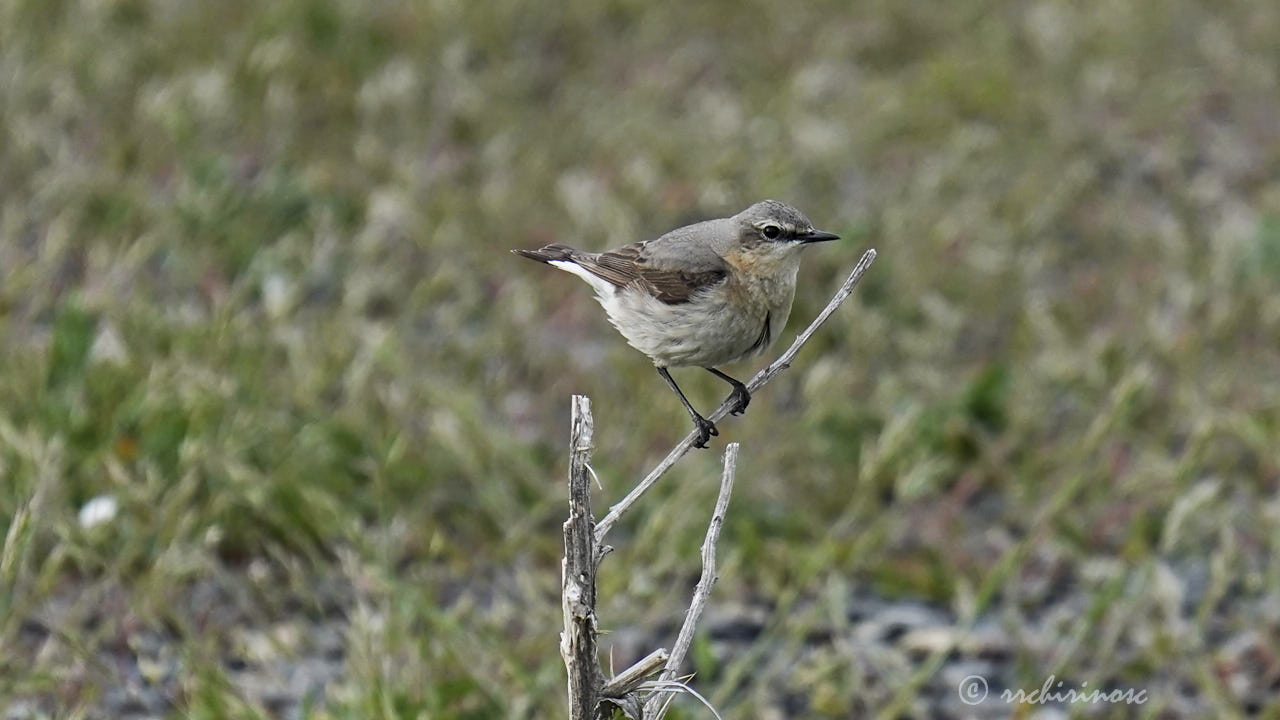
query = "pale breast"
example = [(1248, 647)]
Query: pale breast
[(730, 321)]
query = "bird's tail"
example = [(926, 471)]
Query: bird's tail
[(548, 253)]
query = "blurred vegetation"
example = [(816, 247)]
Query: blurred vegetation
[(254, 286)]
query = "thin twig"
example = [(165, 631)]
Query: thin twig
[(578, 574), (762, 377), (705, 582)]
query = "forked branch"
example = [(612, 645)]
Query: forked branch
[(590, 697)]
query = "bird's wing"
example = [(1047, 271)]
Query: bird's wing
[(672, 280)]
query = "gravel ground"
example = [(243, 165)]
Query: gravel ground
[(287, 655)]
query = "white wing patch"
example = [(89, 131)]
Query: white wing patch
[(603, 287)]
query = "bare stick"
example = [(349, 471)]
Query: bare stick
[(628, 680), (705, 582), (578, 574), (782, 363)]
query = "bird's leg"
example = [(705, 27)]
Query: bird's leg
[(739, 394), (705, 427)]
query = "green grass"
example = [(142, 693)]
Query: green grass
[(254, 285)]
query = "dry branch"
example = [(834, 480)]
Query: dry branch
[(630, 679), (589, 696), (762, 377), (655, 706), (578, 574)]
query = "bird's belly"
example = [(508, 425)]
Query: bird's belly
[(706, 332)]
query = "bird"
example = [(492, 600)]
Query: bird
[(703, 295)]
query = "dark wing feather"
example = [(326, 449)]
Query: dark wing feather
[(629, 266)]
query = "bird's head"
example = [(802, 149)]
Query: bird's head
[(771, 231), (776, 225)]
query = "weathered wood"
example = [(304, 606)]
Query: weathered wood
[(578, 574), (590, 698), (629, 680)]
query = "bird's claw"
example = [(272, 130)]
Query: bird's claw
[(741, 399), (706, 429)]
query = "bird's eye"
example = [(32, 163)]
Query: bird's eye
[(771, 231)]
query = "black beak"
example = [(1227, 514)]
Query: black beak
[(817, 236)]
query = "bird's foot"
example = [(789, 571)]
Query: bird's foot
[(741, 399), (706, 429)]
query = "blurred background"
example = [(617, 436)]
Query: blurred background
[(283, 425)]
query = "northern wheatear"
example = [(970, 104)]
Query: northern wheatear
[(702, 295)]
